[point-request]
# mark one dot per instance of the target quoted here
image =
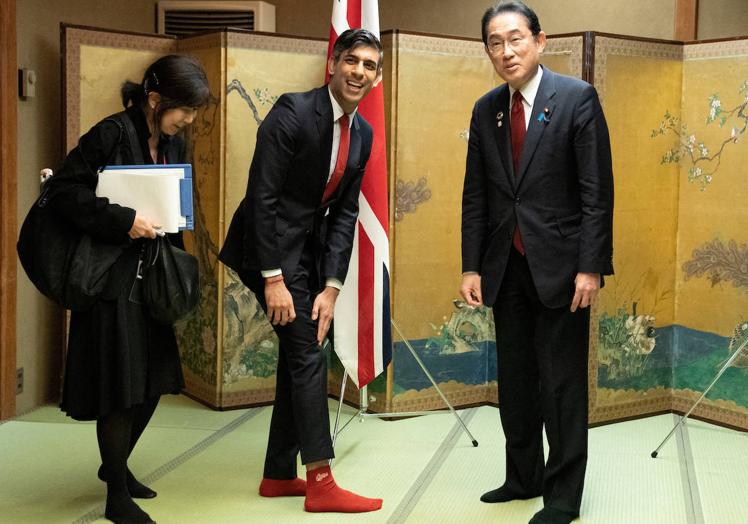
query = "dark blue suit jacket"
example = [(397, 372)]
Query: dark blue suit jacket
[(562, 197), (282, 206)]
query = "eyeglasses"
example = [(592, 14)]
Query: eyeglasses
[(516, 42)]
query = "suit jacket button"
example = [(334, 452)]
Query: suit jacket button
[(306, 231), (516, 201)]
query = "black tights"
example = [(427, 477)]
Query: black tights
[(118, 432)]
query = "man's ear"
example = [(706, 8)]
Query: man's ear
[(331, 65), (378, 79), (541, 40)]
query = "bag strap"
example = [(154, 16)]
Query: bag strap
[(43, 199), (132, 137), (153, 249), (124, 122), (115, 150)]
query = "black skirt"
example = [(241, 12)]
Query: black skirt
[(118, 356)]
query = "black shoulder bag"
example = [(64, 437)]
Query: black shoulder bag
[(68, 266)]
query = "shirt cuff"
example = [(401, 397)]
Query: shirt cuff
[(267, 273), (334, 282), (466, 273)]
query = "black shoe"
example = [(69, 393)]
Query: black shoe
[(502, 494), (549, 515), (136, 489), (121, 509)]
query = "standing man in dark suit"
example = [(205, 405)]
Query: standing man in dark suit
[(536, 239), (290, 241)]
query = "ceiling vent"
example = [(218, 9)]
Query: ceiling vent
[(186, 17)]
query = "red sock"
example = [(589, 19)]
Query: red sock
[(323, 495), (282, 488)]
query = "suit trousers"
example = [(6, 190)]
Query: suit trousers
[(542, 374), (300, 420)]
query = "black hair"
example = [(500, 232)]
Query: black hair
[(179, 79), (512, 6), (352, 38)]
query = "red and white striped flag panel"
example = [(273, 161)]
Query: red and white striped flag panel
[(363, 340)]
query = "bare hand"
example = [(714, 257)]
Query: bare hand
[(280, 303), (470, 290), (142, 227), (587, 287), (323, 309)]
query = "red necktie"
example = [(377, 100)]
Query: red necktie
[(337, 174), (518, 139)]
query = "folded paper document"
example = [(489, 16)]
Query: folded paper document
[(162, 193)]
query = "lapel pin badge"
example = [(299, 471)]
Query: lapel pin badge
[(545, 116), (499, 118)]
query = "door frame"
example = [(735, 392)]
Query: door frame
[(8, 206)]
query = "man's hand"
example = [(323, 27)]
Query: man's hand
[(470, 289), (279, 301), (323, 310), (587, 287)]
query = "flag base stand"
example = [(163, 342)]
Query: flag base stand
[(682, 420), (362, 413)]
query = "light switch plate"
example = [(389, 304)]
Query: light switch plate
[(27, 83)]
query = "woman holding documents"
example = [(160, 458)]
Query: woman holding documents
[(119, 360)]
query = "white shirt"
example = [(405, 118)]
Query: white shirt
[(337, 114), (529, 90)]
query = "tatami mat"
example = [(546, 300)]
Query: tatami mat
[(465, 474), (720, 459), (206, 466), (624, 484), (48, 470)]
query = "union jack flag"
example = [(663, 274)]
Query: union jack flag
[(363, 340)]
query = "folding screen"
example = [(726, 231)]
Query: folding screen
[(228, 349), (677, 306), (435, 84), (665, 322)]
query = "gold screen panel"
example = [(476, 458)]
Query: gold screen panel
[(96, 63), (713, 205), (259, 68), (637, 82)]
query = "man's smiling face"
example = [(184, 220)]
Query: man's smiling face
[(353, 75)]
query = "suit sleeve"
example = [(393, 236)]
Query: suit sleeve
[(342, 224), (474, 205), (595, 171), (73, 187), (274, 151)]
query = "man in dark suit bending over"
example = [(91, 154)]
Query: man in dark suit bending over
[(536, 239), (290, 241)]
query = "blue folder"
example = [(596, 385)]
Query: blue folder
[(185, 188)]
